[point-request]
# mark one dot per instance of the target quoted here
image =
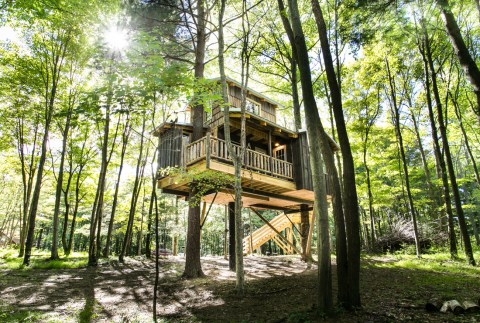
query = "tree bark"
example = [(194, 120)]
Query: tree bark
[(125, 138), (396, 118), (135, 193), (441, 168), (231, 236), (56, 65), (98, 202), (352, 219), (465, 59), (314, 133), (193, 266), (448, 159)]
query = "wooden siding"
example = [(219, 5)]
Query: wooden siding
[(170, 148), (302, 174), (267, 110)]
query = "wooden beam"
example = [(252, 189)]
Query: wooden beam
[(279, 196), (297, 211), (276, 231), (174, 192), (270, 207), (205, 217)]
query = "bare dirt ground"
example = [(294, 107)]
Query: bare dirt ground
[(279, 289)]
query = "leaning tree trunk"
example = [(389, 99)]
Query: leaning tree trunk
[(466, 60), (459, 116)]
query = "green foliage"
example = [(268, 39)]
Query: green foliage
[(9, 260), (205, 182)]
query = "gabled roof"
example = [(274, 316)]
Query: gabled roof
[(250, 90)]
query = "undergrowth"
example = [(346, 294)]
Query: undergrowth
[(40, 260)]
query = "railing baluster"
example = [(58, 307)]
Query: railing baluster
[(253, 159)]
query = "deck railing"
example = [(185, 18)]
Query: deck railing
[(214, 148)]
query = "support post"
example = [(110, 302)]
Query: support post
[(308, 253), (304, 227)]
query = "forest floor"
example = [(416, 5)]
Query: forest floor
[(278, 289)]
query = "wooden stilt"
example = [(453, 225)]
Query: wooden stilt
[(308, 253)]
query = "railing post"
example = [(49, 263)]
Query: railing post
[(208, 150), (270, 151)]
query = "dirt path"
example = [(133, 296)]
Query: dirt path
[(278, 289)]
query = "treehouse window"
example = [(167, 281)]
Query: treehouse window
[(252, 107)]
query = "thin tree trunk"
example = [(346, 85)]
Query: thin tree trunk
[(352, 219), (396, 118), (125, 138), (56, 65), (28, 176), (458, 114), (135, 193), (448, 159), (58, 190), (441, 168), (157, 265), (231, 236), (98, 203), (314, 133)]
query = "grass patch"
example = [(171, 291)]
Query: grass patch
[(21, 316), (39, 260)]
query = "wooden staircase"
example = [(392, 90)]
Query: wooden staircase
[(265, 233)]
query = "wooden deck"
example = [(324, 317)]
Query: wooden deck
[(211, 148)]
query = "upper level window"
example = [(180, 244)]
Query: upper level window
[(252, 107)]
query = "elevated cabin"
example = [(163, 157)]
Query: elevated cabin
[(276, 169)]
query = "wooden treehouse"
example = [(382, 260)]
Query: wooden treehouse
[(276, 168)]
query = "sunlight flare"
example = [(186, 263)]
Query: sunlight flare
[(116, 38)]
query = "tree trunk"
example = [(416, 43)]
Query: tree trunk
[(441, 168), (448, 159), (125, 137), (466, 60), (352, 219), (98, 203), (135, 193), (396, 118), (231, 236), (458, 114), (28, 177), (193, 268), (314, 133), (57, 60), (157, 265), (58, 191)]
